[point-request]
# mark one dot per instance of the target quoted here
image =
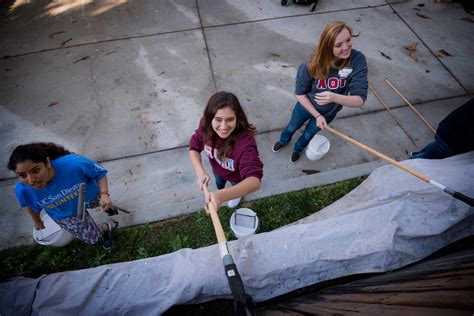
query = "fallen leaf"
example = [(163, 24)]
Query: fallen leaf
[(422, 16), (468, 19), (64, 42), (427, 71), (310, 171), (442, 53), (385, 55), (413, 46), (53, 103), (355, 34), (412, 49), (56, 33), (274, 55), (83, 58), (420, 5)]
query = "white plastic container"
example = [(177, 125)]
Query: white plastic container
[(317, 147), (52, 234), (244, 222)]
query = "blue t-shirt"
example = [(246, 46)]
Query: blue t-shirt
[(350, 80), (59, 196)]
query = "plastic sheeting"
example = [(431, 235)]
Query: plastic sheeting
[(392, 219)]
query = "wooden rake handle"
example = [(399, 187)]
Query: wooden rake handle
[(411, 106), (380, 155), (215, 218)]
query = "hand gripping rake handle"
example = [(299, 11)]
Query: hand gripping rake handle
[(464, 198), (242, 301)]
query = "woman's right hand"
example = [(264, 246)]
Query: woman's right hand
[(321, 122), (202, 180), (38, 225), (214, 199)]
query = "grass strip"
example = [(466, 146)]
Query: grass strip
[(154, 239)]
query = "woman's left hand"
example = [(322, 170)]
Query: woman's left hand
[(324, 97), (105, 202)]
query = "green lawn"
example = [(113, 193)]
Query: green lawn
[(154, 239)]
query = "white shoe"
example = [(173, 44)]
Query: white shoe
[(233, 203)]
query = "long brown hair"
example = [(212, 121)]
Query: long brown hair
[(36, 152), (320, 61), (219, 101)]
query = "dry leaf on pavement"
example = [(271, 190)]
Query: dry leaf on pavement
[(385, 55), (412, 49), (422, 16), (442, 53)]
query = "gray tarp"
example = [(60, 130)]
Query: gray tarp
[(392, 219)]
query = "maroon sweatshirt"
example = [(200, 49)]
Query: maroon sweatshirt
[(243, 162)]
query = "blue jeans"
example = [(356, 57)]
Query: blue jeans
[(435, 150), (220, 182), (299, 116)]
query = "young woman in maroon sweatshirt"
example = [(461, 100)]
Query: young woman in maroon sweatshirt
[(228, 140)]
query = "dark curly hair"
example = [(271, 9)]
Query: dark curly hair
[(36, 152)]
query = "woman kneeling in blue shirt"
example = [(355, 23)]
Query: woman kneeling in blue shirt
[(49, 180)]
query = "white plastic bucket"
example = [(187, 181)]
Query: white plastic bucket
[(52, 234), (317, 147), (244, 222)]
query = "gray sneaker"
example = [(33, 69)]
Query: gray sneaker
[(277, 147)]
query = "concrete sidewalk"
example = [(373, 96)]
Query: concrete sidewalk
[(125, 83)]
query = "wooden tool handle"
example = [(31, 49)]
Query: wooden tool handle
[(380, 155), (379, 97), (215, 218), (411, 106)]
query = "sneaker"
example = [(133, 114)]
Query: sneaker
[(106, 239), (233, 203), (277, 147), (295, 157)]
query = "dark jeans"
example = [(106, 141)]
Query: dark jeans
[(299, 116), (435, 150), (220, 182)]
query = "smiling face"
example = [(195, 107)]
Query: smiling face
[(342, 45), (34, 174), (224, 122)]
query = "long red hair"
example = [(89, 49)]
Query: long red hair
[(321, 59)]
